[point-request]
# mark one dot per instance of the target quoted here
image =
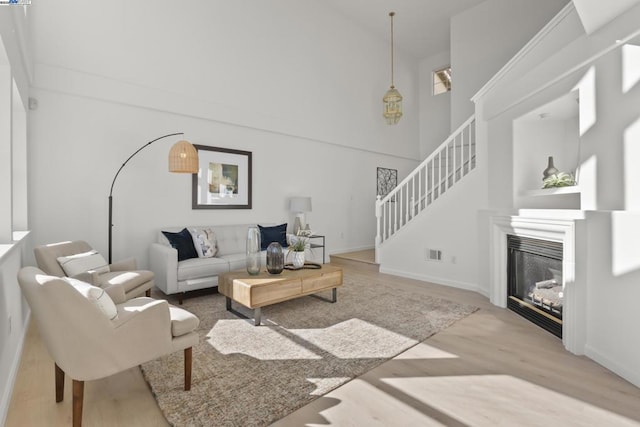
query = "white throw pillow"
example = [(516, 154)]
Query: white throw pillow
[(205, 242), (96, 295), (80, 263)]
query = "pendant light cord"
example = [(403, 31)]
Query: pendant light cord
[(391, 14)]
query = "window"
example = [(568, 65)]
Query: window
[(442, 80)]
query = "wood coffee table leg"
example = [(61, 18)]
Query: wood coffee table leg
[(334, 294), (257, 316)]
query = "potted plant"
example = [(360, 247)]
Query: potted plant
[(296, 250)]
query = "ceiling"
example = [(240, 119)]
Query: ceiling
[(420, 27)]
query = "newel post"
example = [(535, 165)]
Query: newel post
[(378, 231)]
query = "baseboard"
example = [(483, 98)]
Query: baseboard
[(11, 381), (437, 280), (627, 374), (353, 249)]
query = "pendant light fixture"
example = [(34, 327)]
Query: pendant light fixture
[(392, 99)]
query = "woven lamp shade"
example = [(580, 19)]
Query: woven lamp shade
[(183, 158)]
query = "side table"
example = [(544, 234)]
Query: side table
[(317, 245)]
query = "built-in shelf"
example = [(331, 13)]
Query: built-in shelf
[(552, 191)]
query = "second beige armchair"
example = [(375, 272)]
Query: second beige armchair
[(124, 273)]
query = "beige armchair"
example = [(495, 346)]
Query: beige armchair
[(135, 282), (86, 345)]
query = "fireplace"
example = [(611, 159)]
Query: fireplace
[(534, 281)]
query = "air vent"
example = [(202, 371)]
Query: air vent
[(434, 255)]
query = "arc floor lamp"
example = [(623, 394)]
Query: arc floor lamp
[(183, 158)]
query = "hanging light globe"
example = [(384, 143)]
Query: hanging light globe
[(392, 100)]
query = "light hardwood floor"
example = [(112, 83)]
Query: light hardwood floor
[(491, 368)]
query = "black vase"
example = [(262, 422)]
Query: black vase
[(550, 170), (275, 258)]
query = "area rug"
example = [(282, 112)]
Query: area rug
[(245, 375)]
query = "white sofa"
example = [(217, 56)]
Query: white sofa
[(177, 277)]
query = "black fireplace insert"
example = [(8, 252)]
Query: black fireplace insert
[(535, 287)]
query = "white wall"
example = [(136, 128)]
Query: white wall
[(450, 225), (608, 264), (16, 250), (266, 77), (484, 38), (434, 110)]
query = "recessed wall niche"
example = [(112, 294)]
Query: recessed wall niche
[(551, 130)]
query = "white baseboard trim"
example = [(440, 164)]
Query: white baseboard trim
[(11, 381), (628, 374), (437, 280), (353, 249)]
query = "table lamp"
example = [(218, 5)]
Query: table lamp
[(299, 205)]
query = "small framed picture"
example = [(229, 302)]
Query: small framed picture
[(223, 180)]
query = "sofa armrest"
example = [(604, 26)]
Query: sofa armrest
[(163, 261), (128, 264)]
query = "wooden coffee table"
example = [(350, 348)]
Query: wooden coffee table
[(265, 289)]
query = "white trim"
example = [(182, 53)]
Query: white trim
[(7, 393), (629, 375), (522, 53), (66, 81), (436, 280)]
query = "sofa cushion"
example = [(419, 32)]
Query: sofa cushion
[(277, 233), (201, 267), (183, 243), (239, 261)]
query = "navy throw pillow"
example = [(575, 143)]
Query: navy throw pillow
[(277, 233), (183, 242)]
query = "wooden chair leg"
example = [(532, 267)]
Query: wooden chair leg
[(78, 396), (59, 384), (187, 368)]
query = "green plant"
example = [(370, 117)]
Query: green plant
[(298, 245), (560, 179)]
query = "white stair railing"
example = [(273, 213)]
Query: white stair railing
[(447, 165)]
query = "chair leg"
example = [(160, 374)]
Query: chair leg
[(148, 292), (187, 368), (59, 384), (78, 395)]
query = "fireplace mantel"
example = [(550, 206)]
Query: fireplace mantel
[(556, 226)]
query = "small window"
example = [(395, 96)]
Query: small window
[(442, 81)]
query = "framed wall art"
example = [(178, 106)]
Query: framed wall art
[(223, 180)]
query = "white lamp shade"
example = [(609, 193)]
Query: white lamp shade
[(300, 204)]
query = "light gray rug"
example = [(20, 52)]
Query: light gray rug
[(245, 375)]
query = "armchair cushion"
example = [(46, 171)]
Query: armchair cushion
[(97, 296), (129, 280), (183, 243), (182, 321), (82, 262)]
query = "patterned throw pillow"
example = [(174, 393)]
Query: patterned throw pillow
[(204, 240)]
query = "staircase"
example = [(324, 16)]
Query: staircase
[(437, 174)]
